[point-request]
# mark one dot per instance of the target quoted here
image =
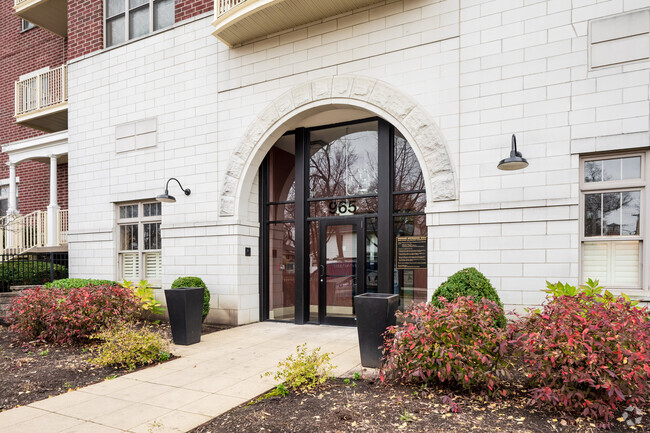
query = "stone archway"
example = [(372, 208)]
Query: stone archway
[(373, 95)]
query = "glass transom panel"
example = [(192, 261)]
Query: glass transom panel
[(606, 170), (344, 161)]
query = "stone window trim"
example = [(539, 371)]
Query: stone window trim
[(639, 290), (140, 253)]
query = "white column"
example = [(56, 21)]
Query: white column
[(53, 207), (12, 208)]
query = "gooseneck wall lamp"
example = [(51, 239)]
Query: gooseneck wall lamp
[(166, 198), (515, 161)]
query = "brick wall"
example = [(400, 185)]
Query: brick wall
[(85, 22), (189, 8), (21, 53), (34, 186), (85, 32)]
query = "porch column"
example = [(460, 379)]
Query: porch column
[(53, 207), (12, 208)]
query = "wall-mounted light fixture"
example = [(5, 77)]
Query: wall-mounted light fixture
[(515, 161), (166, 198)]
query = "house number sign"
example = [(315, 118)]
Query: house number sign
[(344, 207)]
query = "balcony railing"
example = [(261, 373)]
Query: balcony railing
[(42, 91), (240, 21), (62, 234), (23, 233), (222, 5)]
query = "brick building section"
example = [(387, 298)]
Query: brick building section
[(85, 22), (189, 8), (21, 53), (85, 31)]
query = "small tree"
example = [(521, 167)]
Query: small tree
[(195, 282)]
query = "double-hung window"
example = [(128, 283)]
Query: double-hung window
[(140, 250), (612, 207), (129, 19)]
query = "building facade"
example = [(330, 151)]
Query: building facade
[(350, 147), (26, 51)]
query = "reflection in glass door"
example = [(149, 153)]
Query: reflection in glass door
[(339, 268)]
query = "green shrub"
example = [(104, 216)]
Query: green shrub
[(307, 370), (76, 283), (195, 282), (468, 282), (24, 272), (144, 292), (592, 290), (127, 346)]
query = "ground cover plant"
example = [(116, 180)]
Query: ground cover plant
[(130, 346), (71, 283)]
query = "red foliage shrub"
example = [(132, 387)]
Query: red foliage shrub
[(68, 316), (590, 358), (459, 344)]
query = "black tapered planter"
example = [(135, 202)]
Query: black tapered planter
[(375, 312), (185, 307)]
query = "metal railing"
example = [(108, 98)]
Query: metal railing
[(41, 91), (226, 5), (31, 269), (62, 234)]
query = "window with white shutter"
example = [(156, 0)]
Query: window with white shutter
[(140, 245), (612, 216)]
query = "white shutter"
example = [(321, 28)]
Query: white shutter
[(131, 266), (153, 266), (613, 263), (625, 263)]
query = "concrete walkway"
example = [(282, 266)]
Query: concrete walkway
[(211, 377)]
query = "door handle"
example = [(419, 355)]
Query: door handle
[(322, 271)]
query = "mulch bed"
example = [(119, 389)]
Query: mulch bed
[(29, 373), (370, 406)]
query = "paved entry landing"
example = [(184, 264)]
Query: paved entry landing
[(211, 377)]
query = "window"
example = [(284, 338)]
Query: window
[(129, 19), (612, 196), (140, 249), (26, 25), (4, 199)]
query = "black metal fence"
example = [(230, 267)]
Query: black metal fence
[(31, 269)]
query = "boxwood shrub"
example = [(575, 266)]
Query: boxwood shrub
[(195, 282), (468, 282)]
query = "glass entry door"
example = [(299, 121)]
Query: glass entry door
[(341, 264)]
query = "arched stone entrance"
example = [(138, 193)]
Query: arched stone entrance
[(375, 96)]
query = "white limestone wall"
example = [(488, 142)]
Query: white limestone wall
[(481, 69), (170, 76)]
